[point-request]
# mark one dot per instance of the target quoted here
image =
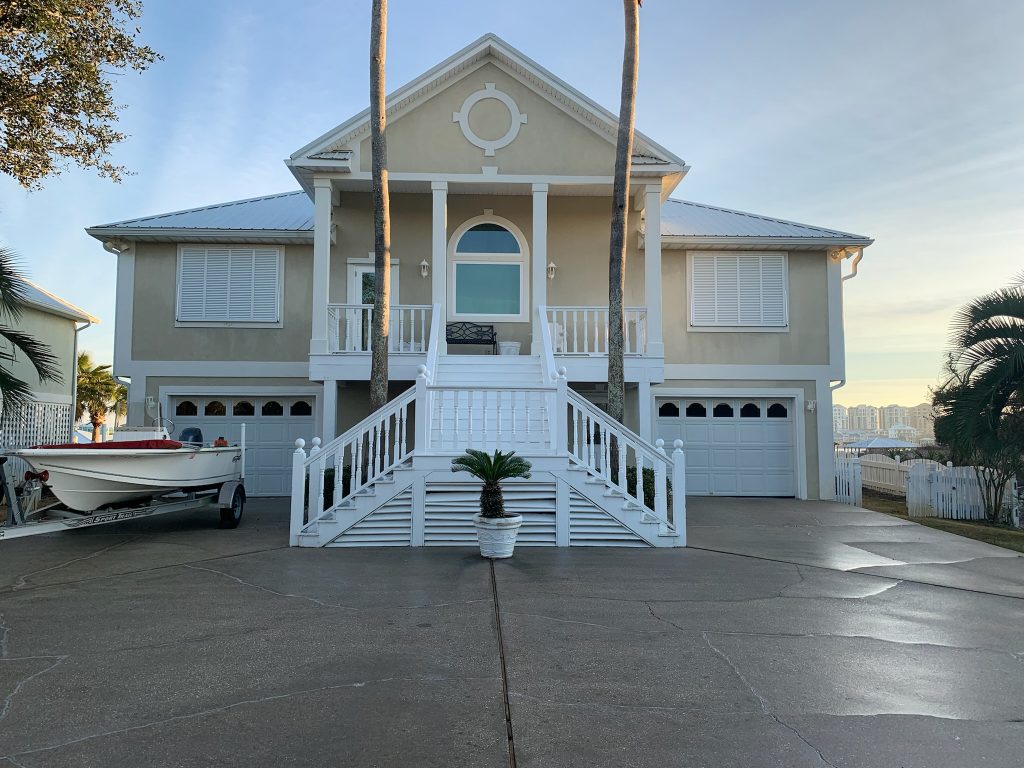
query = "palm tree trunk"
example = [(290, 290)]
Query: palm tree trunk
[(96, 424), (381, 210), (620, 202)]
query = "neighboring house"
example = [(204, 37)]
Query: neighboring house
[(256, 310), (56, 323), (903, 432)]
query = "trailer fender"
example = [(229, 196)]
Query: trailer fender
[(226, 497)]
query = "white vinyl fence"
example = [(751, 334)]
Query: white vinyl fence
[(848, 479), (951, 492), (889, 475)]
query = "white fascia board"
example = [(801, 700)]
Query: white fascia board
[(68, 314), (183, 234), (680, 241)]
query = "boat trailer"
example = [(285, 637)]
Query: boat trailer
[(26, 516)]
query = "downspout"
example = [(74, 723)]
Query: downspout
[(853, 273), (74, 379)]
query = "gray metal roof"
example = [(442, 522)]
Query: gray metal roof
[(288, 211), (683, 219), (46, 301), (292, 213)]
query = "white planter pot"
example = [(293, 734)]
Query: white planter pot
[(497, 535), (508, 347)]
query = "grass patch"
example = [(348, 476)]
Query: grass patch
[(999, 535)]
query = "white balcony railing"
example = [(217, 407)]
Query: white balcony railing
[(350, 328), (584, 330)]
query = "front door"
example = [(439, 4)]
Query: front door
[(362, 281)]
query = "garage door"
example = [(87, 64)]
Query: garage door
[(271, 426), (734, 446)]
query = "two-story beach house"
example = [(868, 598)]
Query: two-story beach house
[(258, 311)]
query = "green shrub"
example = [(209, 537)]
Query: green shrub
[(346, 485), (648, 485)]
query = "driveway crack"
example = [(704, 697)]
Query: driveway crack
[(504, 671), (21, 581)]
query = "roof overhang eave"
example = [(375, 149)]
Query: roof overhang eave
[(803, 243), (70, 314), (196, 235)]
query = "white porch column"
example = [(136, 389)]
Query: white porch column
[(539, 287), (439, 256), (652, 270), (645, 407), (322, 201), (330, 411)]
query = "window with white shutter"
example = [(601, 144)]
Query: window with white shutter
[(229, 285), (738, 290)]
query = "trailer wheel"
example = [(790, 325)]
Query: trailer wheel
[(231, 516)]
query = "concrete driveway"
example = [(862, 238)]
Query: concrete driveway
[(792, 634)]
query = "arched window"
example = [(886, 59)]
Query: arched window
[(696, 411), (723, 411), (777, 411), (243, 408), (488, 273), (750, 411), (272, 408), (215, 408), (670, 410), (185, 408), (301, 408)]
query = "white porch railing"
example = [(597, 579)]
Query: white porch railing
[(350, 328), (591, 435), (358, 458), (584, 330), (488, 418)]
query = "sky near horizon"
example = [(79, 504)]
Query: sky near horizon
[(897, 119)]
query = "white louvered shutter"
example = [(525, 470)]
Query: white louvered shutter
[(229, 285), (738, 290)]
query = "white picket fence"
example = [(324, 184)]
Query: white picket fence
[(887, 474), (848, 479), (951, 492)]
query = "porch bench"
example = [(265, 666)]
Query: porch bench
[(472, 333)]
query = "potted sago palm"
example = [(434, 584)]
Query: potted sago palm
[(495, 530)]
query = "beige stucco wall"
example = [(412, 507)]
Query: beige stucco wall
[(59, 334), (810, 419), (551, 142), (578, 230), (805, 342), (155, 336)]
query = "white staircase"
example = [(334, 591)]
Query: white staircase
[(388, 482)]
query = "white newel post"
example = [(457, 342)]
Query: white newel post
[(561, 422), (421, 439), (330, 410), (679, 492), (661, 488), (298, 492), (539, 287), (652, 270), (439, 256), (322, 201)]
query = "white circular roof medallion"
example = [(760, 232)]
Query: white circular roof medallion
[(487, 145)]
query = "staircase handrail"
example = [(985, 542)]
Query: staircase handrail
[(598, 461), (434, 345), (389, 409), (547, 351)]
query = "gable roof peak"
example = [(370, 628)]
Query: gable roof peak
[(489, 44)]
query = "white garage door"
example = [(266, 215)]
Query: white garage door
[(271, 426), (734, 446)]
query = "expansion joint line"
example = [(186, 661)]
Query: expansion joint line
[(504, 671)]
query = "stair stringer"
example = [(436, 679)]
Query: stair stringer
[(640, 522), (337, 521)]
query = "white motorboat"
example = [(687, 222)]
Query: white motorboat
[(135, 465)]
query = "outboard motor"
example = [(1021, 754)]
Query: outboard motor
[(192, 436)]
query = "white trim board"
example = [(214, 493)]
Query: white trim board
[(799, 426), (740, 372), (229, 369)]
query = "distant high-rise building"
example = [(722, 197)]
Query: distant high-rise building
[(891, 416), (920, 418), (840, 418), (863, 418)]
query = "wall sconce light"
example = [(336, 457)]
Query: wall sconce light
[(424, 268), (812, 405), (552, 267)]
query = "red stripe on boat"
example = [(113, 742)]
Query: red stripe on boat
[(116, 445)]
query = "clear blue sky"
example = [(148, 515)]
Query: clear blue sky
[(898, 119)]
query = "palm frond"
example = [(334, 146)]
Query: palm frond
[(13, 290), (38, 353), (15, 395)]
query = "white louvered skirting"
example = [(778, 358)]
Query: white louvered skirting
[(450, 507), (389, 526), (591, 526)]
